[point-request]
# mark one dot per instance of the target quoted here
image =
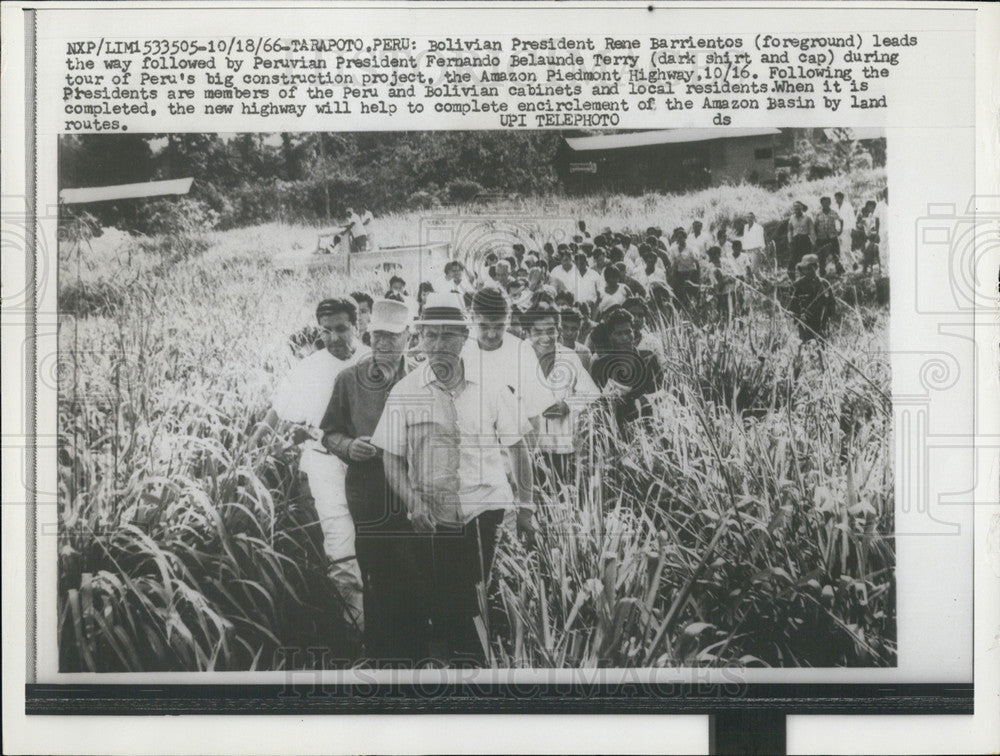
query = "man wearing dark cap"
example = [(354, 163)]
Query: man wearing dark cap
[(301, 399), (444, 433)]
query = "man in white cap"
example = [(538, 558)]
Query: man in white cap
[(395, 618), (443, 434), (301, 399)]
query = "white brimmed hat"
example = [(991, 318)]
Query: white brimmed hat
[(442, 308), (389, 315)]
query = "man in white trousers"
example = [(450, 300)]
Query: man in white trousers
[(301, 399)]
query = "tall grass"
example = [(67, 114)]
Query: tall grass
[(748, 522), (726, 531)]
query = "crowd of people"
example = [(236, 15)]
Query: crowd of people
[(430, 422)]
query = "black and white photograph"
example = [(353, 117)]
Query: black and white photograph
[(475, 400)]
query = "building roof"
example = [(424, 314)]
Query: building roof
[(841, 135), (125, 191), (663, 136)]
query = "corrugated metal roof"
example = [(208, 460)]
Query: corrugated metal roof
[(665, 136), (839, 135), (125, 191)]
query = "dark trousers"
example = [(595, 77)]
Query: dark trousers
[(394, 566), (461, 558), (800, 247), (554, 471), (687, 287), (828, 249)]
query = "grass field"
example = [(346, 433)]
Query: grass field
[(748, 523)]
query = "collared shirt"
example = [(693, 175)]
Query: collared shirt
[(514, 367), (359, 396), (826, 224), (800, 226), (659, 274), (570, 382), (583, 286), (452, 440)]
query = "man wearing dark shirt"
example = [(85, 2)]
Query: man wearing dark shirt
[(389, 561), (623, 373), (813, 302)]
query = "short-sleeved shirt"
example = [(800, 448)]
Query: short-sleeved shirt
[(304, 393), (638, 371), (514, 366), (584, 287), (570, 382), (826, 224), (354, 409), (800, 226), (453, 442)]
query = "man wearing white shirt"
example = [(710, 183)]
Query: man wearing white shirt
[(588, 289), (302, 398), (755, 245), (455, 279), (844, 208), (356, 229), (565, 275), (882, 215), (502, 357), (563, 374), (699, 240), (445, 431)]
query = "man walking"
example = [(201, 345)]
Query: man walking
[(813, 303), (828, 227), (302, 398), (565, 376), (443, 433), (800, 237), (843, 207), (504, 357), (396, 620), (754, 246)]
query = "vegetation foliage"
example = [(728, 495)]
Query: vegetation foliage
[(748, 522)]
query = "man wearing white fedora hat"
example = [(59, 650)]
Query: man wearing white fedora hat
[(395, 617), (444, 432)]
